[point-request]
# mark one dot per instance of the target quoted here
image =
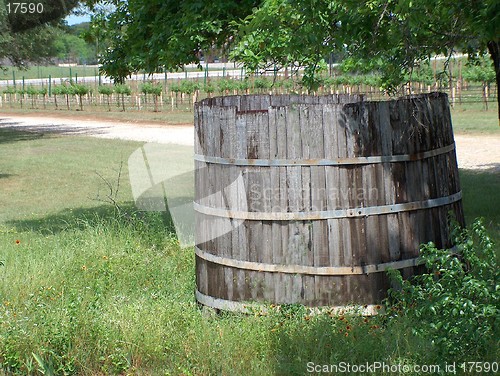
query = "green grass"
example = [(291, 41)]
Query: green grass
[(474, 118), (64, 72), (481, 198), (44, 173), (44, 72), (88, 290)]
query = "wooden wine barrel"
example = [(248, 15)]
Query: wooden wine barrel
[(311, 199)]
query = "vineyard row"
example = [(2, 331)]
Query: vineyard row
[(181, 94)]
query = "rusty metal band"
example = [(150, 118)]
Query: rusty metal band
[(324, 162), (252, 307), (328, 214), (306, 269)]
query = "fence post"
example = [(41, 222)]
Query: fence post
[(206, 74), (14, 78), (165, 85), (50, 86)]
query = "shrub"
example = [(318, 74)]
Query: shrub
[(188, 87), (80, 90), (225, 85), (32, 90), (10, 90), (105, 89), (243, 85), (263, 83), (59, 90), (122, 90), (150, 88), (455, 302), (208, 88), (175, 87), (481, 72)]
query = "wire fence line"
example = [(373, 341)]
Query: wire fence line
[(179, 90), (180, 94)]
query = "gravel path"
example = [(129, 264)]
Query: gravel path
[(479, 152), (165, 134)]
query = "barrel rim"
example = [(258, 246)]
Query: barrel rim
[(360, 99)]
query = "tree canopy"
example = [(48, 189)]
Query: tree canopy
[(164, 34), (26, 35), (390, 36)]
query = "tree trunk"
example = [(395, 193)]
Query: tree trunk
[(494, 49)]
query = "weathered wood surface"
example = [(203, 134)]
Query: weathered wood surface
[(311, 127)]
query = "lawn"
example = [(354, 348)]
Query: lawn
[(45, 71), (89, 288), (473, 118)]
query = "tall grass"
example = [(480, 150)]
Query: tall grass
[(111, 294), (92, 290)]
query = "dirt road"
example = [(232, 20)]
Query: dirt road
[(478, 152)]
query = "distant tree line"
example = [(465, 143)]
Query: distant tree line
[(29, 36)]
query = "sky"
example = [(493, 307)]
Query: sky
[(72, 19)]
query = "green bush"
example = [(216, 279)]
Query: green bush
[(423, 75), (263, 83), (60, 90), (175, 87), (32, 91), (105, 90), (288, 84), (80, 89), (188, 87), (209, 88), (455, 303), (123, 89), (481, 72), (243, 85), (150, 88), (10, 90), (225, 85)]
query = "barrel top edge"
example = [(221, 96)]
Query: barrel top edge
[(228, 101)]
